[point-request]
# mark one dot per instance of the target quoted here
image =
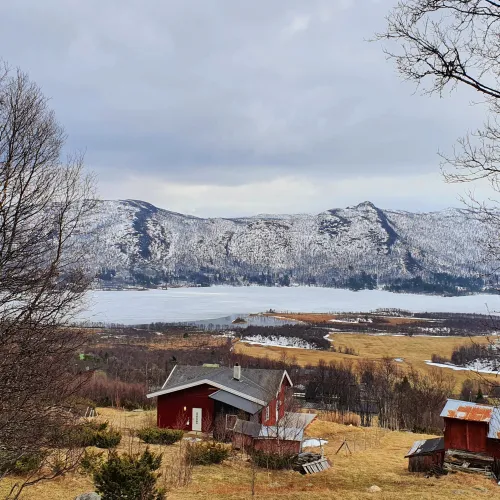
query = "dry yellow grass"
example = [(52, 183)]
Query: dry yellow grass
[(377, 459), (413, 350), (324, 317)]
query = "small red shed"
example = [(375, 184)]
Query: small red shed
[(426, 454), (471, 427)]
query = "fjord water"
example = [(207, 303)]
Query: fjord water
[(193, 304)]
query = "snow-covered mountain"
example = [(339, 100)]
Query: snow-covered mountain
[(356, 247)]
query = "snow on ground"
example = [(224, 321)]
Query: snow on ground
[(480, 366), (311, 443), (442, 329), (351, 320), (278, 341), (230, 334), (399, 360), (191, 304)]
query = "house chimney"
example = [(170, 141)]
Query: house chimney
[(237, 372)]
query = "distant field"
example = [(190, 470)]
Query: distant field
[(377, 459), (316, 318), (413, 350)]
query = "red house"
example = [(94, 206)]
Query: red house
[(193, 397)]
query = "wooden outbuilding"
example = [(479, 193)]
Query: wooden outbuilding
[(284, 437), (426, 454), (471, 441), (471, 427)]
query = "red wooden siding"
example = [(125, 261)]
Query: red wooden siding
[(272, 406), (171, 413), (493, 447), (240, 441), (276, 446), (423, 463), (465, 435)]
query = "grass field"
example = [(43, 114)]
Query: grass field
[(317, 318), (413, 350), (377, 459)]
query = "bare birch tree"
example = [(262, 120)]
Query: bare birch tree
[(444, 44), (45, 269)]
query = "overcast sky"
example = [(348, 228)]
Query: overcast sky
[(234, 107)]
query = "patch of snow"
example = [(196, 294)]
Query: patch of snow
[(351, 320), (442, 329), (229, 334), (479, 366), (312, 443), (278, 341), (399, 360)]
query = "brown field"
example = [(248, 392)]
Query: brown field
[(377, 459), (325, 317), (413, 350), (194, 340)]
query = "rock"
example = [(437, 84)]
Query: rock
[(373, 489), (89, 496)]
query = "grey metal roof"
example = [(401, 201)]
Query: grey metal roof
[(236, 401), (258, 431), (248, 428), (494, 428), (256, 383), (426, 447), (301, 420), (284, 433)]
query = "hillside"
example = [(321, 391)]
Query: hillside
[(356, 247), (377, 459)]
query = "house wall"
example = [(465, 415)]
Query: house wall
[(493, 447), (466, 436), (242, 441), (175, 410), (272, 406)]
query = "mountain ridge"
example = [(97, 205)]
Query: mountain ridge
[(355, 247)]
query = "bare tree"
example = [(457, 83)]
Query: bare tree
[(444, 44), (45, 269)]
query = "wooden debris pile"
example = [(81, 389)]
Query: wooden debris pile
[(436, 471), (309, 463), (463, 461)]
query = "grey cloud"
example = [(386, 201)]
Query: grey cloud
[(228, 92)]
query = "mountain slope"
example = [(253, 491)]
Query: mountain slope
[(357, 247)]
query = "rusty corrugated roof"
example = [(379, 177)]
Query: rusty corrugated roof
[(463, 410)]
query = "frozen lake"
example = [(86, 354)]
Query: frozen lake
[(192, 304)]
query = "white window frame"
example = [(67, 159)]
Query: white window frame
[(266, 416)]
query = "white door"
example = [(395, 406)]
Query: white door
[(196, 419)]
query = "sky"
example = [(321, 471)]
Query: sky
[(232, 108)]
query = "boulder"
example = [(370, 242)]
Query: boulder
[(374, 489), (89, 496)]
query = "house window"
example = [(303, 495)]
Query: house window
[(267, 413)]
